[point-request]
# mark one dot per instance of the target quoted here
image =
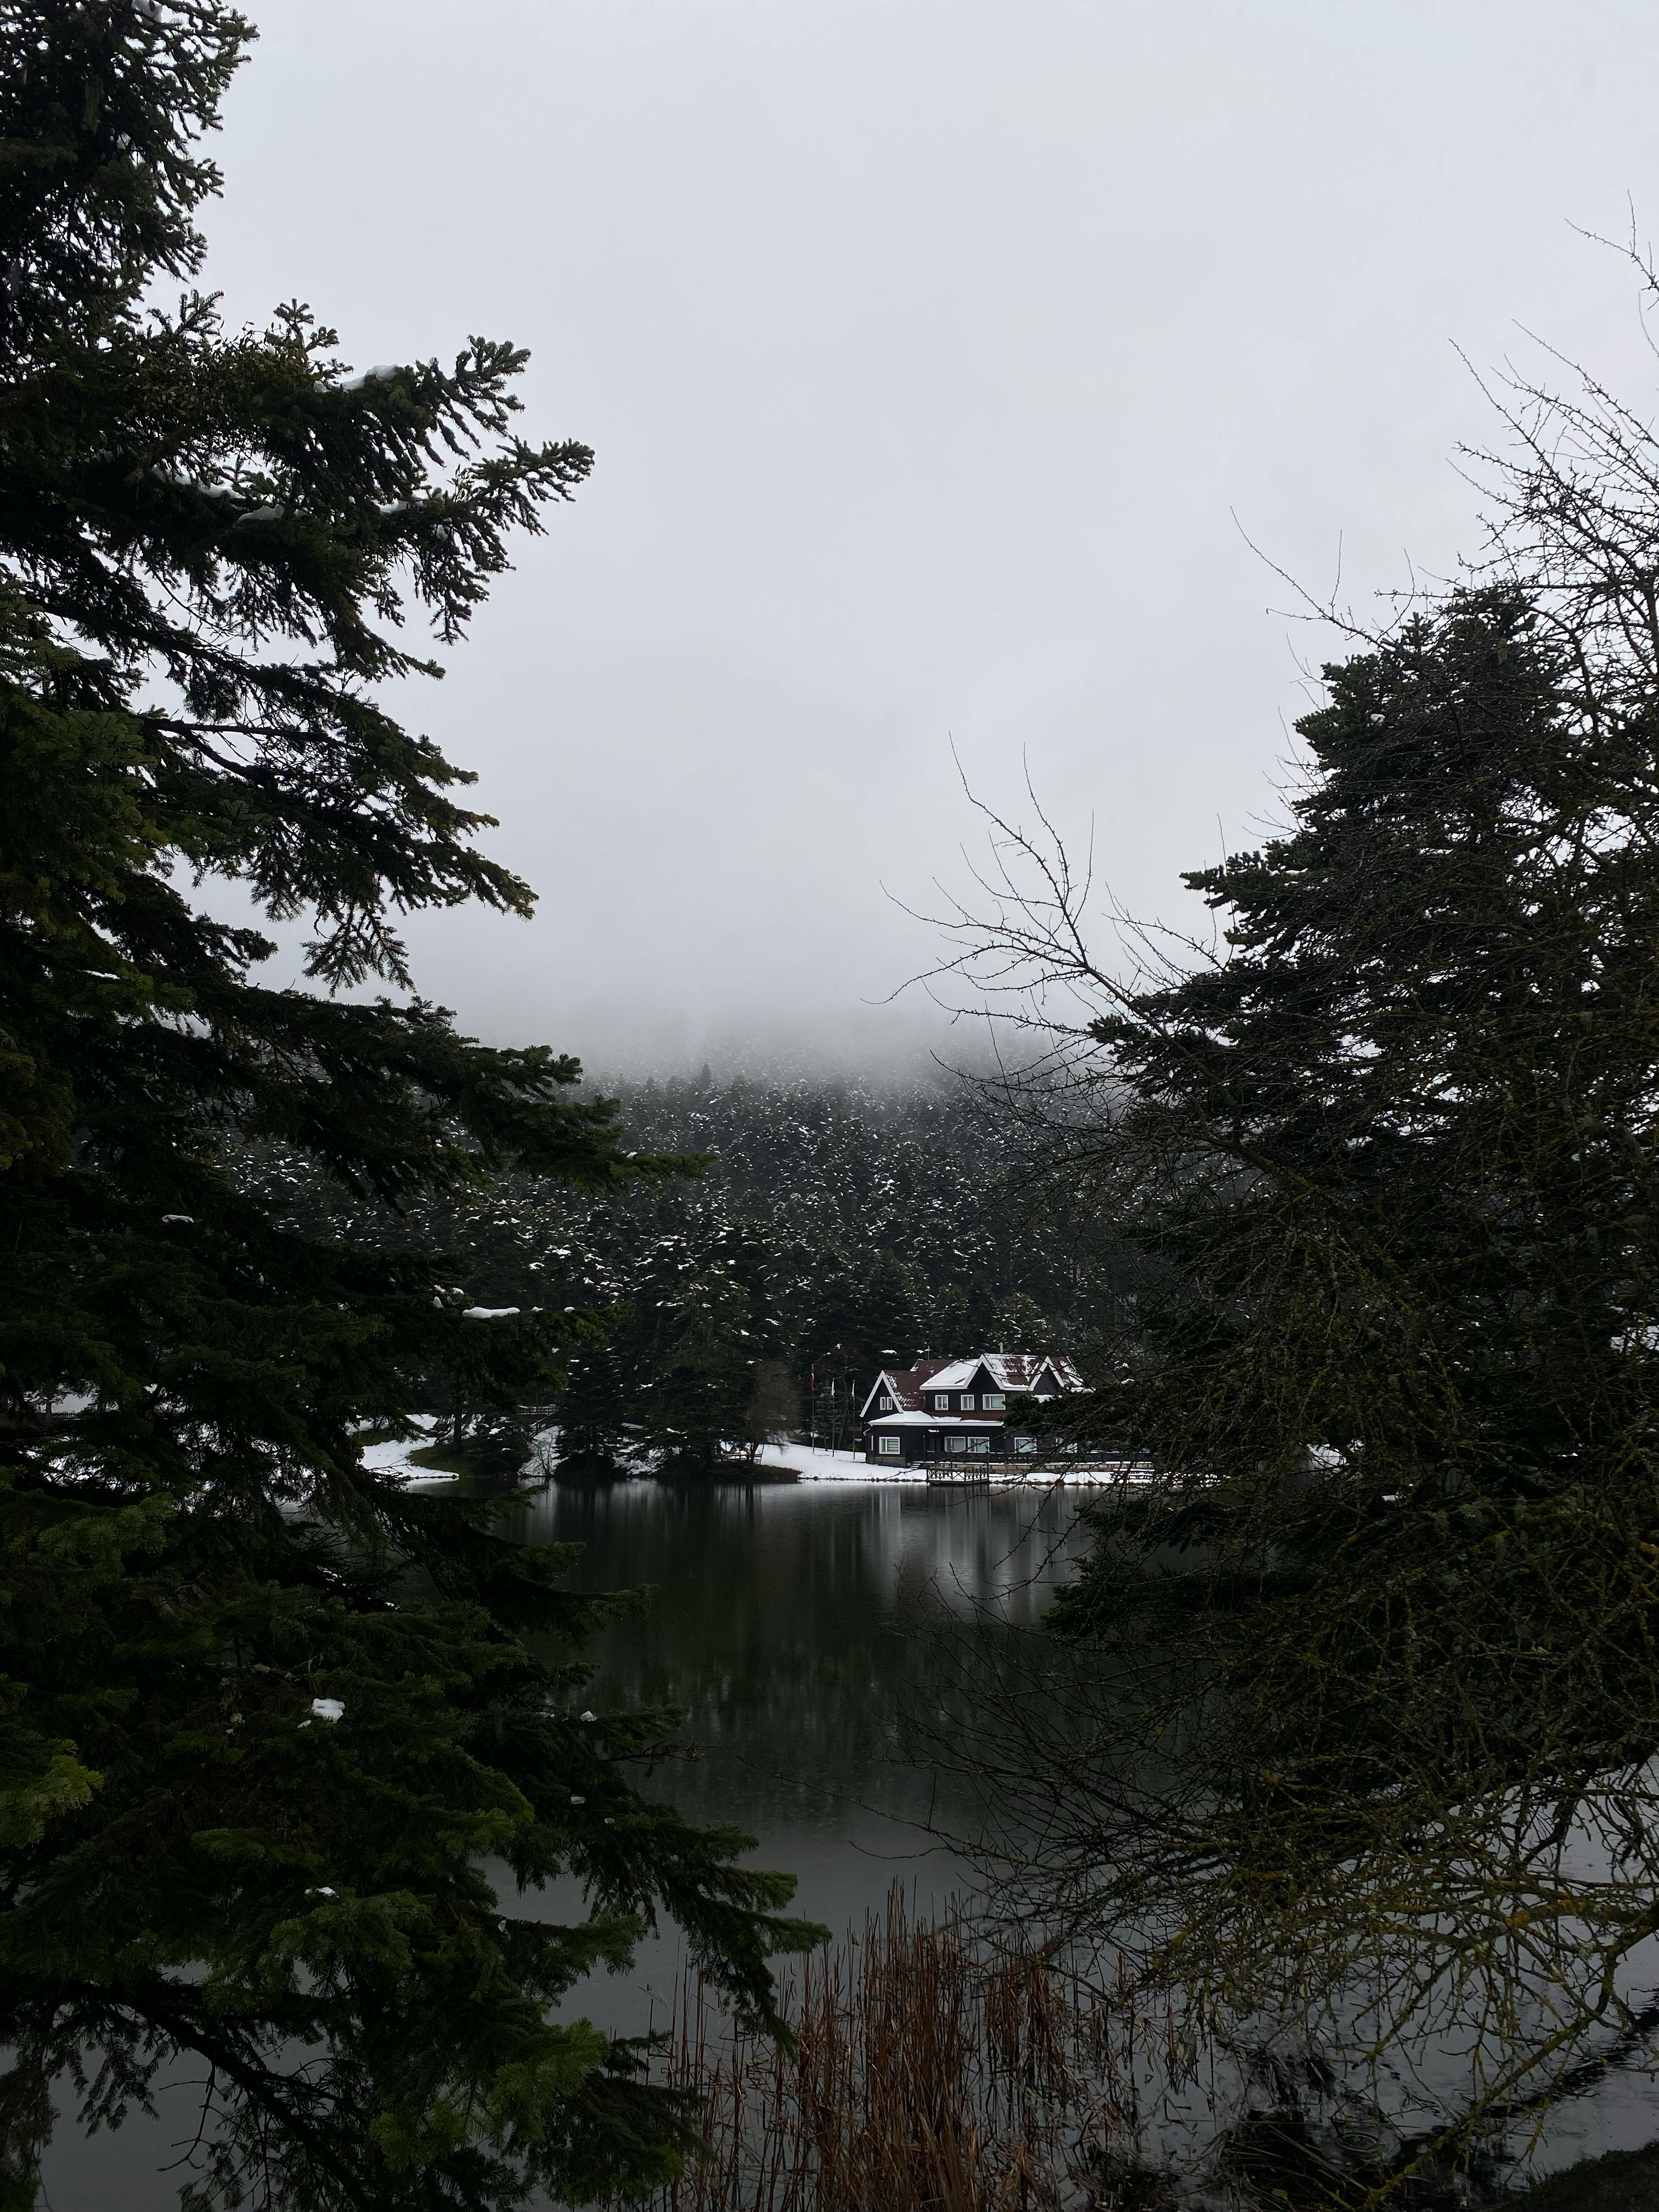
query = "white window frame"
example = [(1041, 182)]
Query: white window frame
[(993, 1400), (979, 1443), (956, 1441), (890, 1447)]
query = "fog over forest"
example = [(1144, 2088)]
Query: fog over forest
[(936, 362)]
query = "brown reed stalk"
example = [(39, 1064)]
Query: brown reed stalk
[(927, 2072)]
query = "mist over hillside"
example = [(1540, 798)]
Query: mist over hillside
[(912, 1039)]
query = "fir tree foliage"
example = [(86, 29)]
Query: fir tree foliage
[(695, 1357), (1355, 1722), (262, 1713)]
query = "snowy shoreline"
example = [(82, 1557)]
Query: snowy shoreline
[(813, 1463), (807, 1462)]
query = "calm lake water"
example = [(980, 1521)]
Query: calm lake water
[(789, 1622), (784, 1621)]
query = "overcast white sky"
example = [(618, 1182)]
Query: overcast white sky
[(928, 348)]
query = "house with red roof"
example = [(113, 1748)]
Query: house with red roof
[(953, 1411)]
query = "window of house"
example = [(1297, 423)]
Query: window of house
[(1025, 1445), (888, 1446), (885, 1405), (956, 1443), (993, 1400), (967, 1401), (942, 1403), (978, 1444)]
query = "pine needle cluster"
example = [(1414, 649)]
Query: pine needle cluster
[(1348, 1730), (264, 1714)]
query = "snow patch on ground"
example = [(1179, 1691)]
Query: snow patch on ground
[(817, 1463), (811, 1463), (814, 1463), (393, 1459)]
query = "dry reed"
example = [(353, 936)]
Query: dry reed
[(928, 2074)]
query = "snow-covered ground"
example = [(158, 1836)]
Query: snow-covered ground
[(811, 1463), (815, 1463), (393, 1459)]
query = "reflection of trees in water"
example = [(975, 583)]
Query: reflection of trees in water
[(783, 1618)]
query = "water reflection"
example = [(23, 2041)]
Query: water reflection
[(782, 1621)]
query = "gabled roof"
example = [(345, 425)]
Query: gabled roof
[(1065, 1372), (1007, 1370), (904, 1385), (957, 1376)]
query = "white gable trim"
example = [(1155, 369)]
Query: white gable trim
[(883, 1381)]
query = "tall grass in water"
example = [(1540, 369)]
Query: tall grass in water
[(927, 2074), (929, 2071)]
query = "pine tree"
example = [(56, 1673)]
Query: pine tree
[(773, 1411), (262, 1711), (697, 1356), (597, 1408), (1357, 1713)]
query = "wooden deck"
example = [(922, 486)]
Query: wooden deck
[(983, 1473)]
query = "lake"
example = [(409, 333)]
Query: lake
[(786, 1621), (783, 1621), (789, 1621)]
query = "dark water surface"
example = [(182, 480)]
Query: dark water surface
[(787, 1620), (791, 1622)]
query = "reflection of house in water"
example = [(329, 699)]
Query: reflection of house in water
[(954, 1409)]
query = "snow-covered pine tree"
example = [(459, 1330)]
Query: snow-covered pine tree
[(696, 1337), (205, 540)]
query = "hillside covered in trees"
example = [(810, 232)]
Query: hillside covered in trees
[(821, 1224)]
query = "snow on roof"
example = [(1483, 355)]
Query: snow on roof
[(957, 1376), (1021, 1370), (903, 1384), (1007, 1370)]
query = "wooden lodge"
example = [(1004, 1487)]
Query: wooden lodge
[(950, 1413)]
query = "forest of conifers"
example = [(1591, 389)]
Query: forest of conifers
[(822, 1225)]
